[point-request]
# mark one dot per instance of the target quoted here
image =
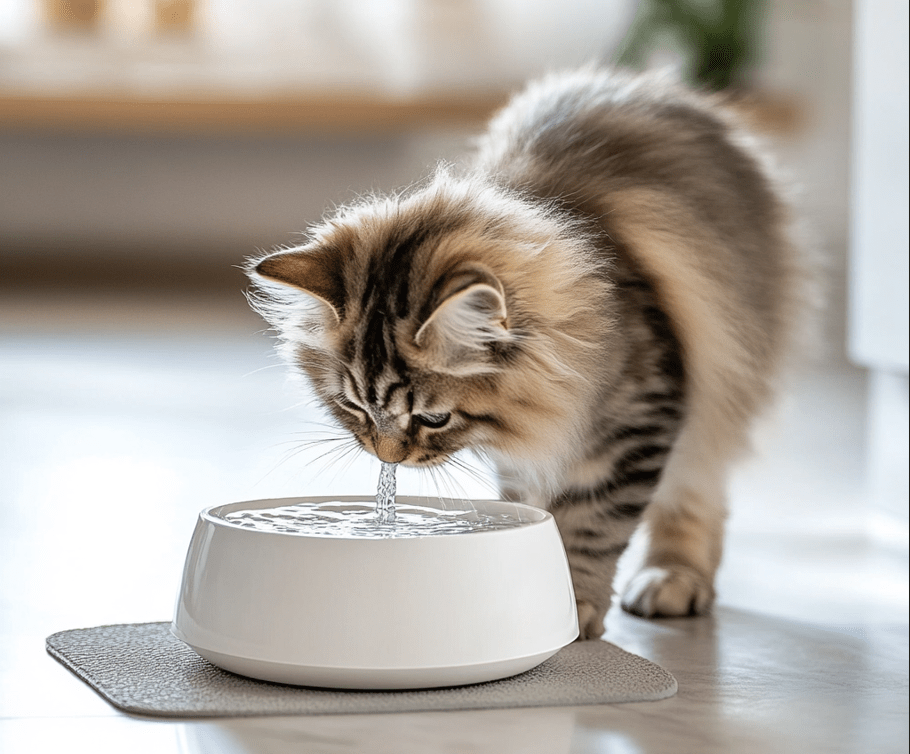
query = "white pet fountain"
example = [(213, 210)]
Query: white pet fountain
[(390, 610)]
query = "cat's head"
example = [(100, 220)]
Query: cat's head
[(455, 316)]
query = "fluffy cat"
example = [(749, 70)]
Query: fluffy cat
[(599, 303)]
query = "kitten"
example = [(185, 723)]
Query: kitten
[(599, 303)]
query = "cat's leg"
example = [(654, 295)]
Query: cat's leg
[(685, 529), (594, 542)]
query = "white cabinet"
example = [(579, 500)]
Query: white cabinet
[(878, 317)]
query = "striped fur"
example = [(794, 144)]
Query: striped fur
[(600, 303)]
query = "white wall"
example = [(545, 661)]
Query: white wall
[(879, 251), (879, 270)]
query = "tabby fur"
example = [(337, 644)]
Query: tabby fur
[(599, 303)]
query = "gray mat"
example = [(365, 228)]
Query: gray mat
[(141, 668)]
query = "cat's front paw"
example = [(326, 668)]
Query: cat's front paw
[(590, 621), (668, 592)]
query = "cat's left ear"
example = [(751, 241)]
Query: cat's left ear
[(313, 270), (469, 313)]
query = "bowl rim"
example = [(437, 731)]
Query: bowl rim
[(210, 514)]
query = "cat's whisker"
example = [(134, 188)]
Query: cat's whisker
[(330, 459), (483, 458), (286, 457), (302, 446), (475, 474), (276, 365), (444, 483), (352, 454), (309, 403), (298, 446), (428, 486), (442, 492), (291, 454), (345, 458), (422, 475), (310, 438), (460, 462), (327, 430), (454, 482), (452, 486), (339, 449), (428, 471)]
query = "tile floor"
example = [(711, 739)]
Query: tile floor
[(120, 418)]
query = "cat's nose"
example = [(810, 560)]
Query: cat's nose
[(390, 450)]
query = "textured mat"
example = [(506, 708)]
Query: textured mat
[(143, 669)]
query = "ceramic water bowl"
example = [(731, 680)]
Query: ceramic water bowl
[(377, 613)]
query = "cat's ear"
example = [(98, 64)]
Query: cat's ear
[(469, 313), (314, 270)]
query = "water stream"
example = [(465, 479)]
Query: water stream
[(385, 493)]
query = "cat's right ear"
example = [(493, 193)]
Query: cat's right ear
[(313, 270), (469, 314)]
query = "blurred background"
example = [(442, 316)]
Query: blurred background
[(161, 141), (148, 146)]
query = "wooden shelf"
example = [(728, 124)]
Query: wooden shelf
[(304, 113), (278, 114)]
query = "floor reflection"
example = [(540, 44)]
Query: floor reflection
[(526, 731), (106, 414)]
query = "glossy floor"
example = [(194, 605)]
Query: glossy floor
[(121, 418)]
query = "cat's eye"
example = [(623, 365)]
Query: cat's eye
[(433, 421)]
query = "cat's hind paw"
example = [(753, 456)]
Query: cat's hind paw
[(668, 592), (590, 621)]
